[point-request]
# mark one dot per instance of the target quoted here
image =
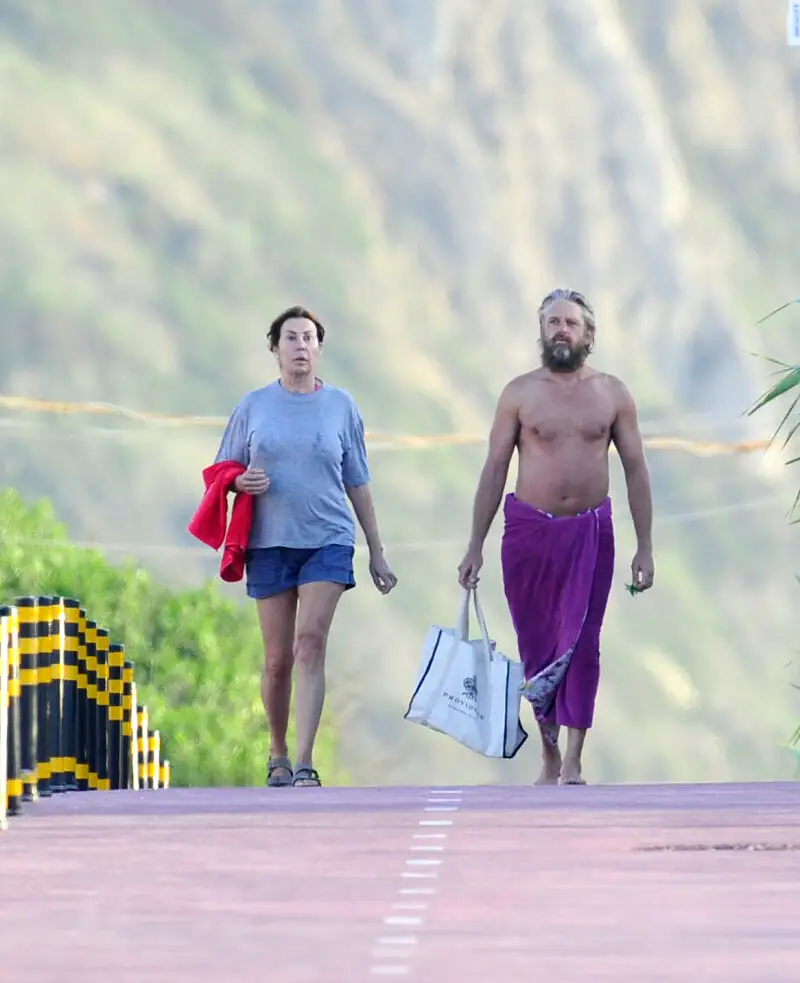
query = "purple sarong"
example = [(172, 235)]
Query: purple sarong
[(557, 573)]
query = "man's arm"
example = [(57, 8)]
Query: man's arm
[(502, 441), (628, 441)]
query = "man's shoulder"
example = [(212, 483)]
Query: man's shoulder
[(522, 382), (520, 386), (613, 389), (613, 384)]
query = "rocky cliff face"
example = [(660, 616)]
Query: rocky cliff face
[(651, 158)]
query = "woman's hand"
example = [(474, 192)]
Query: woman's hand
[(253, 482), (381, 573)]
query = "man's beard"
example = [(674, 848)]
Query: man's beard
[(560, 356)]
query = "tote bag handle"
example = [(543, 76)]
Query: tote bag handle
[(462, 625), (461, 634), (487, 642)]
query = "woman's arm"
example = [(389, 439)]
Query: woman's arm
[(364, 508), (355, 475), (234, 446), (379, 569)]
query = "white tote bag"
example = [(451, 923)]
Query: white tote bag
[(467, 690)]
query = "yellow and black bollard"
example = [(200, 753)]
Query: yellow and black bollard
[(126, 771), (43, 692), (153, 759), (14, 784), (70, 717), (54, 693), (116, 683), (91, 702), (26, 614), (103, 643), (142, 745), (4, 667), (58, 776), (70, 610), (135, 723), (81, 709)]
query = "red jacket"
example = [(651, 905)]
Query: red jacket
[(211, 518)]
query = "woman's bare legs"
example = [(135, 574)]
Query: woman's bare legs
[(317, 605), (277, 616)]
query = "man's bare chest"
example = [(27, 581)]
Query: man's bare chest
[(557, 418)]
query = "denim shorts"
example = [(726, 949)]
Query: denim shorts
[(280, 568)]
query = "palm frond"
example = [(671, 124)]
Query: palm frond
[(777, 310), (790, 381), (796, 501), (768, 358), (793, 429), (787, 419)]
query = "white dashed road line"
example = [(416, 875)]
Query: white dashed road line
[(398, 950)]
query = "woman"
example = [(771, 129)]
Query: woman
[(302, 442)]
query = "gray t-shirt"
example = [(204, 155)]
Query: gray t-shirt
[(310, 445)]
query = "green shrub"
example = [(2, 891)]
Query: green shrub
[(197, 655)]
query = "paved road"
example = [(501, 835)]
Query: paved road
[(630, 884)]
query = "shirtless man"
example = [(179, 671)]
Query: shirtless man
[(558, 542)]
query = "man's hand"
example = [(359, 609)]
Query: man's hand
[(381, 573), (470, 567), (642, 570), (253, 482)]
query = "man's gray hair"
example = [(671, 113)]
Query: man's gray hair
[(574, 297)]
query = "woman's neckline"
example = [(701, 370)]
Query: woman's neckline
[(318, 385)]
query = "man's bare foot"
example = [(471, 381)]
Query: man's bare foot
[(551, 770), (571, 773)]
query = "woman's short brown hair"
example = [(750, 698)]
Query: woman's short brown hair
[(274, 332)]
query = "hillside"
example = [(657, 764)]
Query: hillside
[(420, 175)]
